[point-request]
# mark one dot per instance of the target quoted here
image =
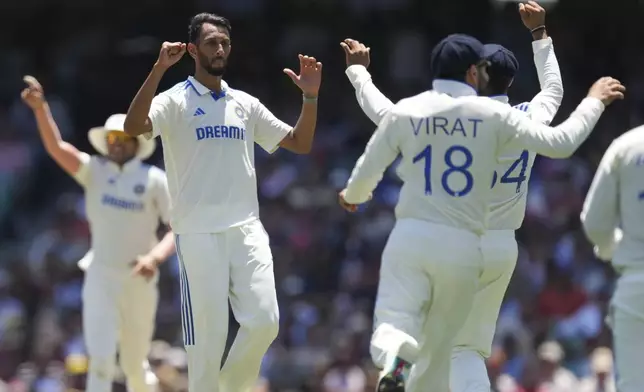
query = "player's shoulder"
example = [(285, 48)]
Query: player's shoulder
[(628, 138), (484, 107), (153, 173), (178, 91), (410, 106), (522, 107), (242, 97)]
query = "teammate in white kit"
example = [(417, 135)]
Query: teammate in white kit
[(507, 209), (125, 202), (209, 131), (612, 219), (474, 341), (449, 140)]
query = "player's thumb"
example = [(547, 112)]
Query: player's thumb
[(291, 74)]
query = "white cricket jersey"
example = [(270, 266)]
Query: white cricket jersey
[(613, 212), (208, 146), (512, 174), (449, 140), (124, 207), (510, 179)]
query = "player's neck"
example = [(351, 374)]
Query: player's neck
[(213, 83)]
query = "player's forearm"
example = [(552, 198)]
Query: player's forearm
[(47, 128), (361, 185), (136, 120), (164, 249), (549, 98), (563, 140), (372, 101), (304, 131), (65, 154)]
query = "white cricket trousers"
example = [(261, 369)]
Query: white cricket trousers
[(474, 341), (428, 278), (235, 264), (626, 318), (119, 311)]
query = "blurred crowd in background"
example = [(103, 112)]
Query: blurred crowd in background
[(93, 55)]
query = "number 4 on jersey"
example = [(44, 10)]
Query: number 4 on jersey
[(522, 165)]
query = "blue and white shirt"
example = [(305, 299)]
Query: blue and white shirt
[(208, 146), (124, 207)]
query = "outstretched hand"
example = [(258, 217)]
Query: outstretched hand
[(33, 95), (310, 76)]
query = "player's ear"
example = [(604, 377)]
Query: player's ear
[(471, 76), (192, 50), (511, 81)]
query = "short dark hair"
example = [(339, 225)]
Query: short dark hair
[(498, 83), (197, 21)]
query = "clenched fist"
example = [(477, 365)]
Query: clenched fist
[(532, 15), (171, 53), (607, 90), (33, 95), (356, 53)]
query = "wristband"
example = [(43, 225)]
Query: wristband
[(542, 27), (309, 99)]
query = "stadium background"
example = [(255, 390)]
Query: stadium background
[(92, 56)]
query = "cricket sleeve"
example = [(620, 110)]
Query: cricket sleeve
[(84, 174), (163, 115), (600, 213), (269, 130), (372, 101), (518, 131), (544, 106), (381, 151), (161, 194)]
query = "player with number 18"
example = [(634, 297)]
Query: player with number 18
[(509, 180), (449, 139)]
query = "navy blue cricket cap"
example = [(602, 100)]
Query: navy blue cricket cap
[(454, 54), (502, 60)]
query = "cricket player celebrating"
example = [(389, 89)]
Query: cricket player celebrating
[(125, 199), (449, 140), (474, 342), (612, 219), (208, 131)]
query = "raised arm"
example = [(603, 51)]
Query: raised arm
[(68, 157), (380, 152), (544, 106), (300, 139), (600, 214), (518, 131), (137, 121), (372, 101)]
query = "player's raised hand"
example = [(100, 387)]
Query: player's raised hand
[(33, 95), (607, 90), (356, 53), (532, 15), (310, 76), (171, 53)]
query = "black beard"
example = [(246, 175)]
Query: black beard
[(215, 71)]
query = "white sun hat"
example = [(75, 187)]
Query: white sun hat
[(115, 122)]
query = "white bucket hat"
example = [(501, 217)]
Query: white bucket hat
[(115, 122)]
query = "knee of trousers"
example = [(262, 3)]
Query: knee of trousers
[(262, 328), (103, 368)]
